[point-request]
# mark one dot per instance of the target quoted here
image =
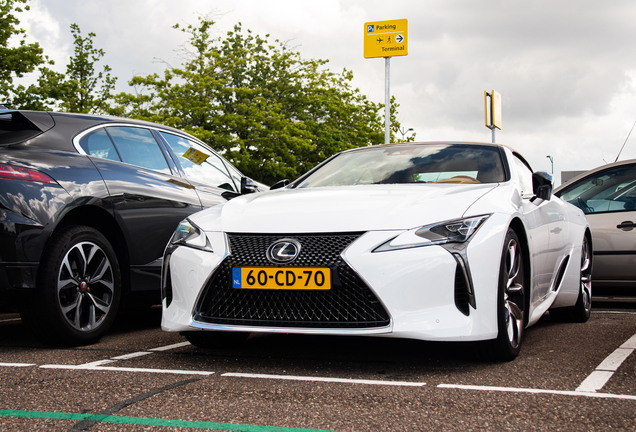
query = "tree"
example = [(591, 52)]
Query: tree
[(81, 89), (15, 61), (270, 112)]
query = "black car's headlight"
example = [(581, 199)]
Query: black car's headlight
[(453, 231), (188, 234)]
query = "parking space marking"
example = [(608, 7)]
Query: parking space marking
[(10, 320), (325, 379), (603, 372), (16, 364), (132, 355), (126, 369), (537, 391), (99, 365), (147, 421), (170, 347)]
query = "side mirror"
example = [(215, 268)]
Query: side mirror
[(279, 184), (248, 186), (541, 186)]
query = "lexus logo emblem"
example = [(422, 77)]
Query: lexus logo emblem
[(283, 251)]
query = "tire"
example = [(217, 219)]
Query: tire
[(581, 311), (511, 303), (216, 339), (78, 289)]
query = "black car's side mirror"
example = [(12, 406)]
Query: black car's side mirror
[(248, 186), (541, 186), (279, 184)]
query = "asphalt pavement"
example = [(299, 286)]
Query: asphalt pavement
[(567, 377)]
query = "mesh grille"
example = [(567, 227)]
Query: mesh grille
[(348, 304)]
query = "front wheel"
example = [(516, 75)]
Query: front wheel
[(511, 303), (78, 289)]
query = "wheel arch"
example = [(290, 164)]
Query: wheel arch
[(517, 225), (101, 220)]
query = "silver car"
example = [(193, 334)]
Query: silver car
[(607, 195)]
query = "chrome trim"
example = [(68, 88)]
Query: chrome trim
[(266, 329)]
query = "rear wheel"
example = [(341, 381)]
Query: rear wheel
[(216, 339), (511, 302), (581, 311), (78, 289)]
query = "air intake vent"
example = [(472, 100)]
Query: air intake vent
[(348, 304)]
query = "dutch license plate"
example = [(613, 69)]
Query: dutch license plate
[(295, 278)]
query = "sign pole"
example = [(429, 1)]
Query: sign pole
[(387, 100), (386, 39)]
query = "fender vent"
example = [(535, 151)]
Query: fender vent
[(561, 273)]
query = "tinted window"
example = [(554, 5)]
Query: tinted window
[(411, 164), (98, 144), (610, 190), (199, 163), (137, 146)]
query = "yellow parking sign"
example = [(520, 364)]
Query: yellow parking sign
[(386, 38)]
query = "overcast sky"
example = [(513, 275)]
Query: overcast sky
[(565, 69)]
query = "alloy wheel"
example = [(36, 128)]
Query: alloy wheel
[(514, 293), (85, 286)]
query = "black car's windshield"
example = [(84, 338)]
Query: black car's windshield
[(411, 163)]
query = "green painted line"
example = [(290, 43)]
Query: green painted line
[(145, 421)]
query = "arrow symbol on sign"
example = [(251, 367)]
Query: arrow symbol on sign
[(399, 38)]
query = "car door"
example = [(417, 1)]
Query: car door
[(548, 231), (608, 198), (204, 169), (147, 196)]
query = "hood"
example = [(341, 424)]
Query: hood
[(342, 208)]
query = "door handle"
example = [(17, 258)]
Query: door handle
[(626, 226)]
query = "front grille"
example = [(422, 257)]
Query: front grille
[(348, 304)]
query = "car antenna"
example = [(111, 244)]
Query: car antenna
[(630, 132)]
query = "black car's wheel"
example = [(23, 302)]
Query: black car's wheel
[(511, 302), (216, 339), (78, 289), (581, 311)]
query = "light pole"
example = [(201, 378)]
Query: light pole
[(404, 132), (551, 162)]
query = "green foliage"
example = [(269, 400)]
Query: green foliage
[(270, 112), (81, 89), (15, 61)]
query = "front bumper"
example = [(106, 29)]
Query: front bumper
[(415, 287)]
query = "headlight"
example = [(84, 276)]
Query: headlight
[(188, 234), (453, 231)]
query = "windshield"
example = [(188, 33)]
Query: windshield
[(412, 163)]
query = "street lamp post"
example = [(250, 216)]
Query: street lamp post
[(404, 132), (551, 162)]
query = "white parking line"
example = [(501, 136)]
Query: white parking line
[(10, 320), (169, 347), (89, 367), (16, 364), (99, 364), (537, 391), (597, 379), (325, 379)]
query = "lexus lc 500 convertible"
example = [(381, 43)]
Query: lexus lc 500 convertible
[(429, 241)]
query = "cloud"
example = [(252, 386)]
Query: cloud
[(565, 69)]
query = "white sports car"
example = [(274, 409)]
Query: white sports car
[(430, 241)]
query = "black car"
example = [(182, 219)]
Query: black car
[(87, 206)]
